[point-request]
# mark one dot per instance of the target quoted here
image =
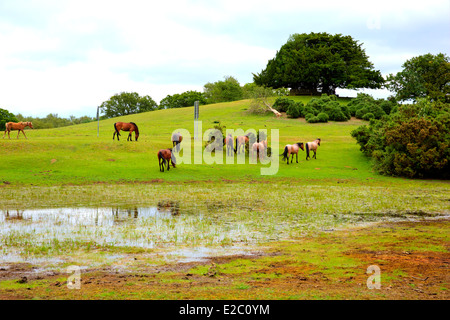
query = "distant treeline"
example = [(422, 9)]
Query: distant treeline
[(52, 120)]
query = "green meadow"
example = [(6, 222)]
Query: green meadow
[(221, 208), (102, 171), (75, 155)]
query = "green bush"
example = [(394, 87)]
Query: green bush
[(323, 117), (365, 103), (309, 116), (295, 110), (282, 104), (313, 119), (337, 114)]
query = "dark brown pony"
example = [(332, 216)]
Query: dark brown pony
[(17, 126), (291, 149), (165, 155), (124, 126), (312, 146)]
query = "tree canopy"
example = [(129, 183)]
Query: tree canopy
[(422, 76), (223, 91), (320, 63), (127, 103), (185, 99)]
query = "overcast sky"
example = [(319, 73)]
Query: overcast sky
[(67, 57)]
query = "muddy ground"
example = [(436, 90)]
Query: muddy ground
[(299, 269)]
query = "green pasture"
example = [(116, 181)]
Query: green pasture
[(222, 206), (75, 155)]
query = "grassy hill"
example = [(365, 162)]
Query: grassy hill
[(75, 155)]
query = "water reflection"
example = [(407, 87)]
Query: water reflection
[(14, 215), (88, 216), (172, 206)]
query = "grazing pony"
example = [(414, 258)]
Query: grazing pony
[(241, 141), (166, 155), (176, 140), (312, 146), (229, 143), (291, 149), (124, 126), (17, 126), (259, 147)]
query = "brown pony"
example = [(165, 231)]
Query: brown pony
[(312, 146), (176, 140), (241, 141), (126, 127), (291, 149), (17, 126), (165, 155)]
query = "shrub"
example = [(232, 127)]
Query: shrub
[(336, 114), (368, 116), (283, 104), (322, 117), (309, 116), (295, 110), (313, 119)]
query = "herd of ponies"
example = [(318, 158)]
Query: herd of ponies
[(166, 156)]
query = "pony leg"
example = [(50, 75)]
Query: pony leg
[(314, 154), (24, 134)]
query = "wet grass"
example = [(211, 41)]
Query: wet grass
[(202, 215)]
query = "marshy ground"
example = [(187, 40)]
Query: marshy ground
[(231, 242)]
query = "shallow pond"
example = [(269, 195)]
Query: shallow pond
[(186, 233)]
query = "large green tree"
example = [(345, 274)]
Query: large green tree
[(422, 76), (127, 103), (320, 63)]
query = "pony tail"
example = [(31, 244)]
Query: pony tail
[(307, 151), (284, 154), (235, 148)]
